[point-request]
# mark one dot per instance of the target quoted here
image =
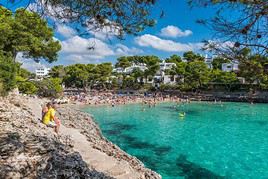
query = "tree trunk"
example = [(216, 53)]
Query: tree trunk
[(14, 55)]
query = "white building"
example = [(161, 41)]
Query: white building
[(229, 67), (128, 70), (208, 61), (42, 71), (169, 79), (166, 66), (119, 70), (140, 66)]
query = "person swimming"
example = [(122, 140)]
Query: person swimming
[(182, 114)]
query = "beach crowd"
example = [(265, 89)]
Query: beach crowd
[(108, 98)]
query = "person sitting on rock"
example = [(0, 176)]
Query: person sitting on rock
[(44, 110), (50, 119)]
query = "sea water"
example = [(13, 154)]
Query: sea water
[(212, 140)]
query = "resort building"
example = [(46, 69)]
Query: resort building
[(169, 79), (166, 66), (229, 67), (128, 70), (118, 70), (42, 72), (140, 66), (208, 61)]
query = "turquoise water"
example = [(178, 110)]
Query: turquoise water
[(212, 141)]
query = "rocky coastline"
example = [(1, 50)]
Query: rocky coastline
[(28, 149), (91, 130)]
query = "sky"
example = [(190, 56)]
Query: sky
[(175, 33)]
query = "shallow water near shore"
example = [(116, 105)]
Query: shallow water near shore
[(228, 140)]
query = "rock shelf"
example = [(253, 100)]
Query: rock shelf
[(29, 149)]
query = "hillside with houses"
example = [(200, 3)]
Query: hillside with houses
[(190, 72)]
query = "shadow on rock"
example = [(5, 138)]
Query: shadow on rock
[(61, 165), (32, 156)]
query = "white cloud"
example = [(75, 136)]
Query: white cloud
[(79, 45), (173, 31), (27, 63), (60, 14), (103, 32), (80, 58), (57, 13), (148, 40), (65, 31), (122, 50), (216, 44), (76, 49)]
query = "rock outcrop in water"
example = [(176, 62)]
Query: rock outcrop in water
[(28, 149)]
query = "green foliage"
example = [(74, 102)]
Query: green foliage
[(264, 81), (57, 71), (137, 74), (130, 83), (247, 30), (123, 62), (49, 87), (191, 56), (127, 61), (27, 87), (27, 32), (7, 74), (164, 87), (2, 91), (127, 17), (252, 68), (217, 62), (197, 74), (23, 73), (223, 78), (174, 59), (76, 76), (83, 76), (219, 76), (180, 68)]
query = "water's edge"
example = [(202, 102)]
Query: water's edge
[(90, 128)]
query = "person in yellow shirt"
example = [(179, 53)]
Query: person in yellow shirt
[(50, 119)]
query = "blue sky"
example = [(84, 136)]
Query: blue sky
[(175, 33)]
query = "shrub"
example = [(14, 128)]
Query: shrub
[(27, 87)]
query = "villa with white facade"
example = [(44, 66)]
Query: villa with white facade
[(166, 66), (229, 67), (128, 70), (42, 71), (162, 78), (208, 61), (140, 66)]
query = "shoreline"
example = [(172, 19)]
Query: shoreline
[(113, 99), (99, 141), (81, 142)]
